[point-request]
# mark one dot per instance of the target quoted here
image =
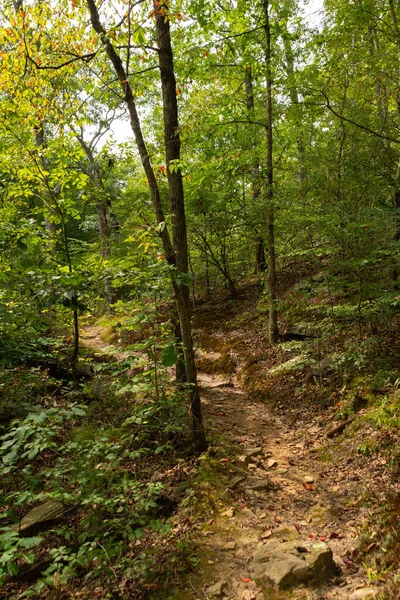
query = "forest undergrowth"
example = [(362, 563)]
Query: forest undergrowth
[(315, 418)]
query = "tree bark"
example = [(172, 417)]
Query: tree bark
[(396, 182), (271, 278), (260, 262), (172, 138), (198, 435), (172, 156)]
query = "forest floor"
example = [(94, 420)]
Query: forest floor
[(311, 486)]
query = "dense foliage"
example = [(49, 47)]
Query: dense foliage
[(289, 157)]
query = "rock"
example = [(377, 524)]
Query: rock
[(364, 593), (235, 481), (303, 330), (249, 513), (308, 479), (292, 563), (39, 517), (251, 454), (314, 429), (289, 365), (286, 532), (217, 589), (229, 546), (272, 463), (324, 366), (261, 485), (319, 514)]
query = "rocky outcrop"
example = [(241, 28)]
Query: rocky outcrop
[(40, 517), (287, 564)]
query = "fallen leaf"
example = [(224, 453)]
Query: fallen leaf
[(245, 579), (266, 534), (308, 487), (227, 513), (297, 526), (277, 520)]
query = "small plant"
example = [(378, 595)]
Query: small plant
[(375, 574)]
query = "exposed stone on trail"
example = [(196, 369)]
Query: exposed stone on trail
[(319, 514), (308, 479), (286, 532), (261, 485), (229, 546), (292, 563), (251, 454), (235, 481), (364, 594), (272, 463), (39, 517), (217, 589)]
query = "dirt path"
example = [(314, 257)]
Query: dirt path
[(302, 498), (91, 338), (286, 510)]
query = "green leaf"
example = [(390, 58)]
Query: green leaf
[(169, 356)]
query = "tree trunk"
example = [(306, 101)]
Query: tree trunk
[(396, 193), (172, 138), (181, 294), (172, 156), (271, 278), (260, 263)]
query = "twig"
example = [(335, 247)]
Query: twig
[(339, 428)]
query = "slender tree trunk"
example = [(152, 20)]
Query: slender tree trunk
[(181, 295), (260, 262), (271, 278), (172, 156), (396, 182), (172, 138)]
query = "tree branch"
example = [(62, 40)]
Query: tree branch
[(363, 127)]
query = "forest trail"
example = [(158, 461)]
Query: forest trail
[(323, 509), (298, 497)]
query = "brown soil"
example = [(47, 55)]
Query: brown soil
[(320, 488)]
